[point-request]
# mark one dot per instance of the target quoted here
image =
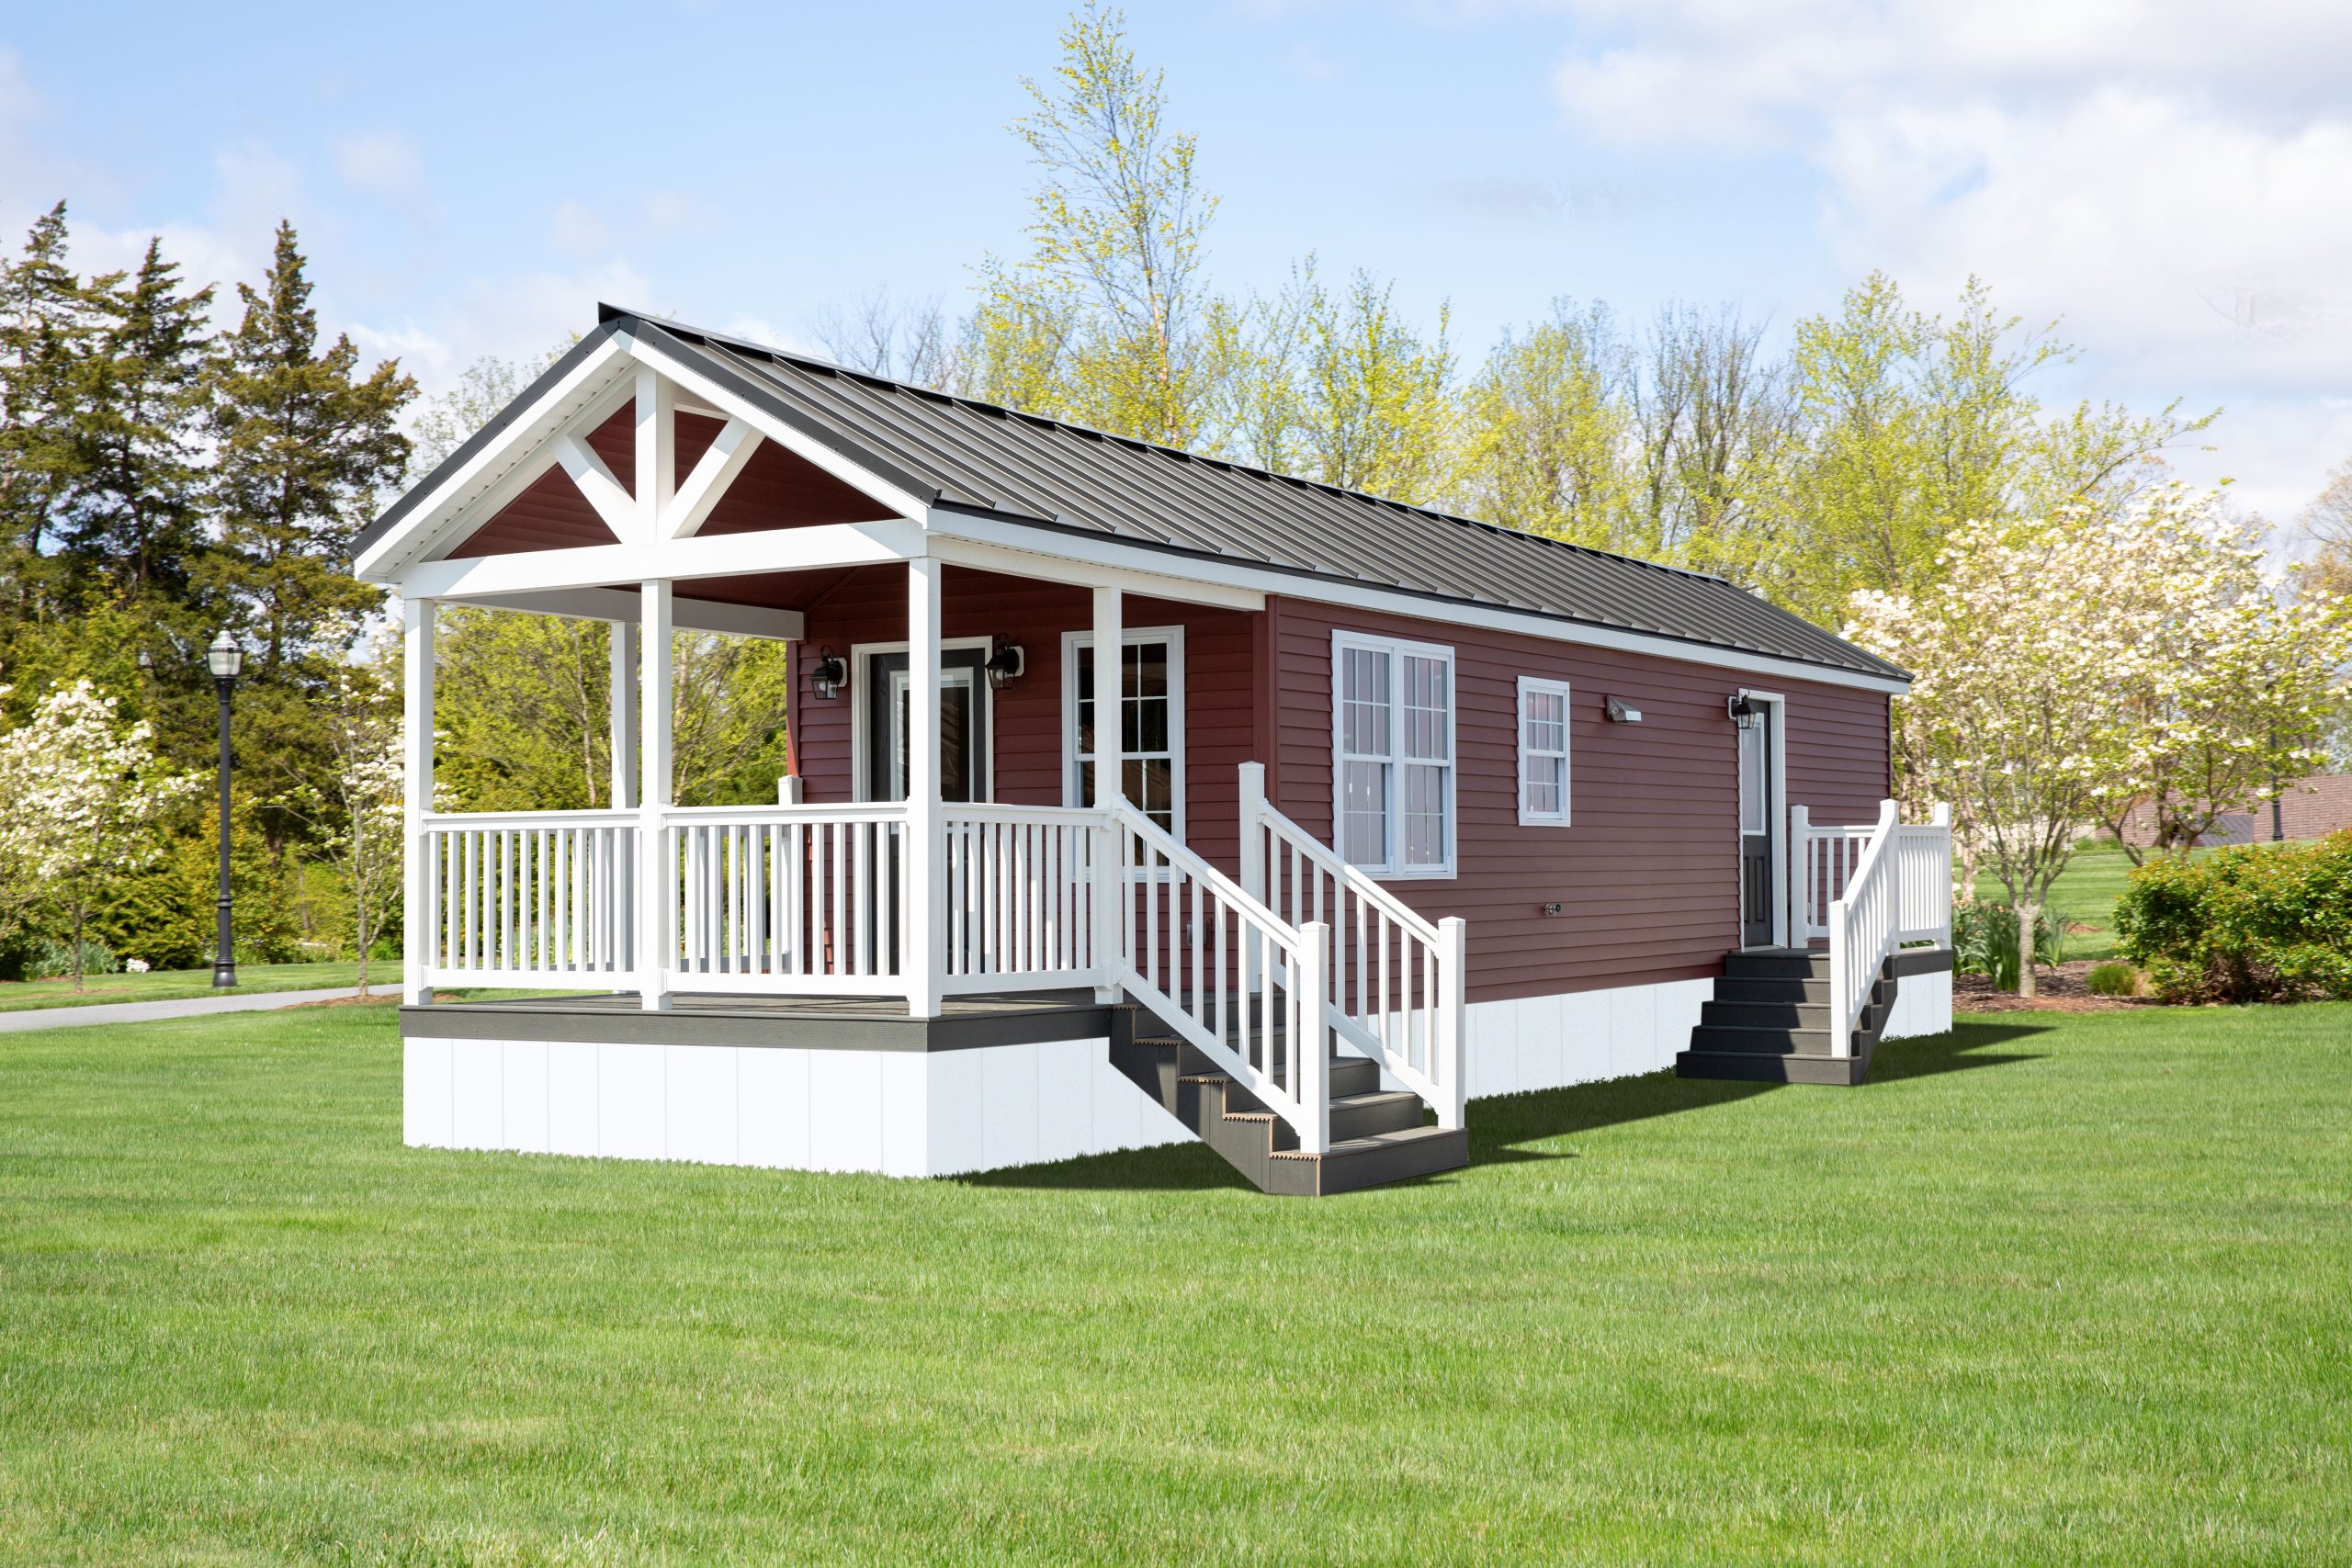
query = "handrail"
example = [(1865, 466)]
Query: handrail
[(1396, 980), (1900, 891), (1248, 969), (578, 817)]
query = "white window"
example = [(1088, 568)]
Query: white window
[(1152, 721), (1392, 754), (1543, 752)]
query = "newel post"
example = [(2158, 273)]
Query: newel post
[(1253, 832), (420, 886), (1453, 1012), (1311, 1036), (1800, 875), (1939, 815)]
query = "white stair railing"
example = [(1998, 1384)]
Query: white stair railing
[(1226, 973), (1900, 891), (1396, 980), (528, 897)]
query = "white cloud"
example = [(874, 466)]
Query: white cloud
[(2173, 181), (383, 164)]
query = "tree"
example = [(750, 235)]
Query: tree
[(304, 446), (447, 420), (82, 791), (1546, 432), (45, 326), (2327, 522), (1714, 420), (1353, 395), (135, 518), (1102, 323), (2012, 716), (357, 818), (2240, 680), (912, 343)]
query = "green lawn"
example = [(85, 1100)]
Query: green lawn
[(2051, 1289), (172, 985)]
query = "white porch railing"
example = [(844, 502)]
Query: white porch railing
[(529, 898), (1022, 883), (1898, 891), (810, 898), (1396, 980)]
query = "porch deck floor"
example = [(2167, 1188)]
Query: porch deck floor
[(706, 1018)]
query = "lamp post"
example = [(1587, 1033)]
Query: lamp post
[(226, 659)]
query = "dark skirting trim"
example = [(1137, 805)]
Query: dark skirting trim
[(1919, 961), (801, 1025)]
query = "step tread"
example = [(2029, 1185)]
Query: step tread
[(1372, 1143)]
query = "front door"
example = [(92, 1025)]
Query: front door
[(963, 726), (1757, 836)]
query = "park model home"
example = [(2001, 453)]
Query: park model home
[(1136, 798)]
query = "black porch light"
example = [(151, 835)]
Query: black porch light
[(226, 660), (1744, 713), (828, 674), (1006, 664)]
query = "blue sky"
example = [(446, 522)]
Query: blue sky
[(470, 180)]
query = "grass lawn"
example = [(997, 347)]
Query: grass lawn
[(2055, 1288), (173, 984)]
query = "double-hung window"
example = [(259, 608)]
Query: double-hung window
[(1543, 752), (1392, 741), (1152, 721)]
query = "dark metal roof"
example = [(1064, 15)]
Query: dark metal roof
[(992, 461)]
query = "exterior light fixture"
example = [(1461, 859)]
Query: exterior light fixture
[(226, 660), (1623, 712), (1743, 711), (1006, 664), (828, 674)]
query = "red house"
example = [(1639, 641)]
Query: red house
[(1405, 808)]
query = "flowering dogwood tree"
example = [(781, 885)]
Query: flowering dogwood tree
[(82, 790), (357, 813), (2065, 668)]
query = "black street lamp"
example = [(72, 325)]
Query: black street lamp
[(226, 659)]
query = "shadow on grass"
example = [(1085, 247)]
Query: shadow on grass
[(1500, 1125)]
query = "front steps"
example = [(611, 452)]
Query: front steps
[(1768, 1022), (1377, 1135)]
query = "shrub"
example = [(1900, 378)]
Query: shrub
[(54, 959), (2114, 980), (1985, 939), (2256, 922)]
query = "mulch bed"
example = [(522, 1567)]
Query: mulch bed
[(2064, 989)]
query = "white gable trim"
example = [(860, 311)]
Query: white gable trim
[(1105, 551), (672, 560)]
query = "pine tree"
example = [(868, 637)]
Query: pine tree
[(45, 326), (135, 522), (304, 446)]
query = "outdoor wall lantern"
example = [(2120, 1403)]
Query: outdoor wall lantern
[(226, 660), (828, 674), (1623, 712), (1006, 664), (1744, 713)]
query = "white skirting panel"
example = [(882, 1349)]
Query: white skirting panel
[(896, 1112), (1922, 1006), (1531, 1042)]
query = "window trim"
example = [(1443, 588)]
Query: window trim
[(1534, 684), (1398, 649), (1074, 643)]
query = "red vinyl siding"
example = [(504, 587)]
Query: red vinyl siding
[(870, 606), (1647, 875)]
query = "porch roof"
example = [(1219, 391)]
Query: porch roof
[(975, 458)]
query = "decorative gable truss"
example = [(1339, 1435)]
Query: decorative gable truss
[(656, 524)]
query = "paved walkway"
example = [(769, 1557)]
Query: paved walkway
[(140, 1012)]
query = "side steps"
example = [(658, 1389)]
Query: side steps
[(1770, 1022), (1377, 1135)]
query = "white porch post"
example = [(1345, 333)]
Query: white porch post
[(1800, 875), (1109, 894), (656, 872), (926, 865), (625, 700), (420, 899)]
